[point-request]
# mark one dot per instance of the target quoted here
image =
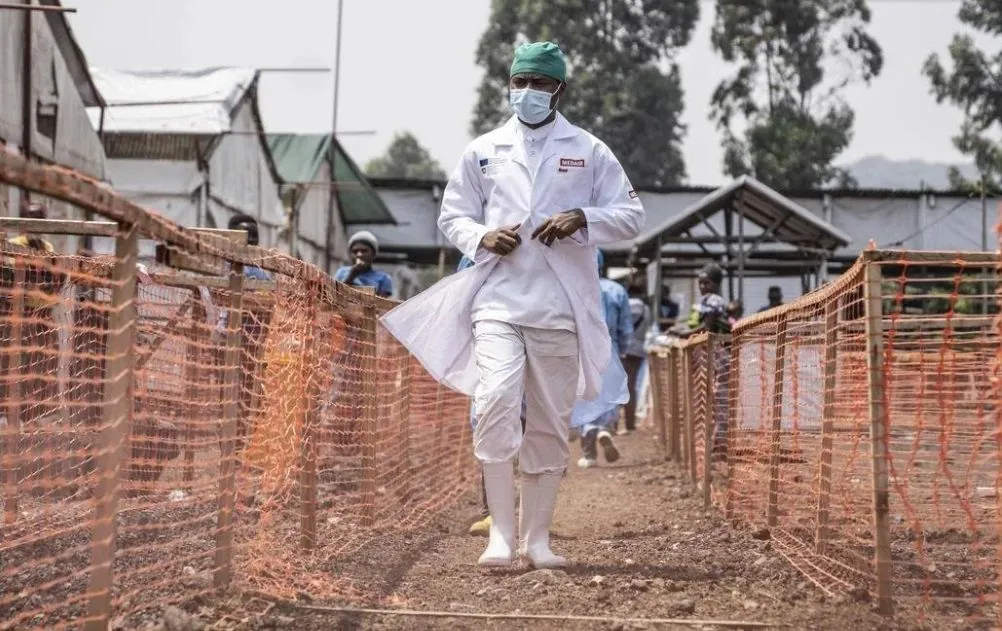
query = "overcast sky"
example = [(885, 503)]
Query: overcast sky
[(409, 65)]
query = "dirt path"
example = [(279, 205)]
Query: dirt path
[(641, 547)]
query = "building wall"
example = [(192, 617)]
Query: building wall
[(312, 224), (75, 143), (240, 180)]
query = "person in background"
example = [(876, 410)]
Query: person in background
[(249, 225), (616, 308), (255, 324), (669, 308), (710, 314), (735, 311), (363, 247), (775, 298), (482, 527), (634, 355)]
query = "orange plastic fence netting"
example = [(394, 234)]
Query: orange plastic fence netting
[(862, 429), (166, 433)]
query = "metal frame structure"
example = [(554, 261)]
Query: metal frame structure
[(789, 241)]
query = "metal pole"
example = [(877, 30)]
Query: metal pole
[(658, 287), (741, 252), (984, 245), (27, 89), (328, 255), (29, 8)]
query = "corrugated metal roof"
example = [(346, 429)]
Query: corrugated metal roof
[(171, 101), (788, 220), (184, 147)]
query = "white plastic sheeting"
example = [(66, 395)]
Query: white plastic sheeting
[(75, 144), (172, 101)]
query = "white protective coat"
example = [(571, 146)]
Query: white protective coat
[(492, 188)]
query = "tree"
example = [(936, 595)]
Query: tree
[(974, 85), (795, 122), (405, 159), (624, 85)]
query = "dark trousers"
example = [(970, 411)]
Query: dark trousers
[(484, 511), (632, 366)]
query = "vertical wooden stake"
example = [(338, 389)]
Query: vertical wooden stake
[(369, 415), (654, 361), (733, 418), (308, 447), (408, 473), (194, 383), (777, 421), (116, 425), (690, 416), (680, 383), (12, 370), (710, 422), (878, 434), (231, 416), (827, 424)]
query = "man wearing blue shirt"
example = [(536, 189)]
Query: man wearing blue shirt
[(363, 247), (249, 225)]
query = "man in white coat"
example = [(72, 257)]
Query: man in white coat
[(529, 202)]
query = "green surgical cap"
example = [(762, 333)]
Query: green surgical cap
[(543, 58)]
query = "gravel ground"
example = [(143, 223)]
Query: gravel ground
[(641, 547)]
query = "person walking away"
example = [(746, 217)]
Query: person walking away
[(529, 202), (481, 527), (634, 355), (597, 429), (363, 247)]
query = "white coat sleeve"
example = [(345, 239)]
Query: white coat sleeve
[(462, 217), (617, 214)]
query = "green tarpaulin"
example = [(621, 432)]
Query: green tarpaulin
[(298, 158)]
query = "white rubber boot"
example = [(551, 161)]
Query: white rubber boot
[(499, 479), (539, 499)]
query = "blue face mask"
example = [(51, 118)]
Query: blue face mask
[(531, 106)]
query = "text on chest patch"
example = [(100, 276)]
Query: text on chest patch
[(571, 162), (491, 164)]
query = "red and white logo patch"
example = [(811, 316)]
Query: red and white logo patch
[(571, 162)]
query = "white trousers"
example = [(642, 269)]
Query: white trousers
[(539, 364)]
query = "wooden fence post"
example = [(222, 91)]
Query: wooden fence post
[(878, 434), (678, 409), (407, 476), (827, 424), (709, 425), (779, 377), (116, 424), (690, 416), (368, 437), (733, 418), (308, 438), (194, 388), (12, 371), (231, 416), (653, 376)]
